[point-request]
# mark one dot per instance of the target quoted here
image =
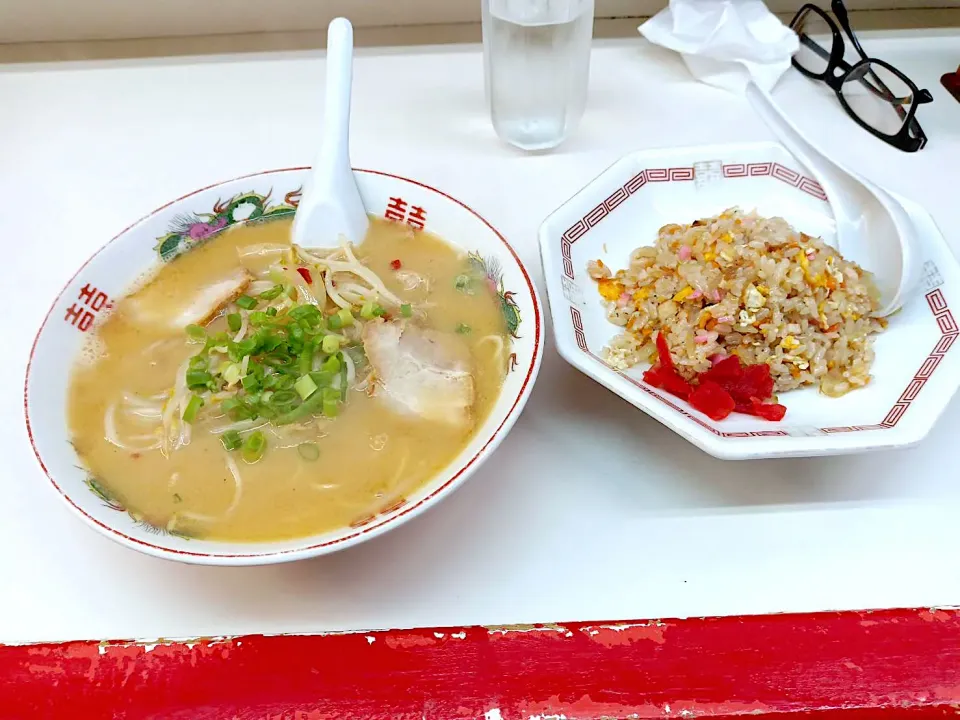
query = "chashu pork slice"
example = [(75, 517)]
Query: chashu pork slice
[(154, 305), (421, 372)]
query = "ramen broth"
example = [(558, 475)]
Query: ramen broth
[(318, 475)]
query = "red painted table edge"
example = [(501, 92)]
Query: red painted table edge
[(851, 665)]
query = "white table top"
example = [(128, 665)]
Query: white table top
[(632, 522)]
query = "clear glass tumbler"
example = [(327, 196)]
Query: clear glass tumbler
[(536, 56)]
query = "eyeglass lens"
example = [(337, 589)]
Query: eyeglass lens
[(816, 41), (878, 96)]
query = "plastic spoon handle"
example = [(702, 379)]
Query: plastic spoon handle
[(871, 225), (823, 169), (331, 207), (335, 145)]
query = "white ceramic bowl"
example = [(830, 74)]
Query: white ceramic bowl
[(916, 372), (179, 226)]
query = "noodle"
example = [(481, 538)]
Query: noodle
[(262, 250), (497, 343), (294, 328), (351, 368), (239, 426), (111, 435), (244, 324), (332, 291), (202, 517), (352, 265), (304, 294)]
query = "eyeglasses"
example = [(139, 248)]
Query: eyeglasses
[(874, 93)]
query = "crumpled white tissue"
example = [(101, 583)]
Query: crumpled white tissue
[(718, 39)]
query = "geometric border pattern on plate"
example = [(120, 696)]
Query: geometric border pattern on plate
[(945, 321), (678, 174), (935, 299)]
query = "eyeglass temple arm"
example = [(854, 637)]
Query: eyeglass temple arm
[(843, 65), (816, 47), (840, 10)]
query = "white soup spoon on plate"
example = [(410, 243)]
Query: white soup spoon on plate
[(873, 228)]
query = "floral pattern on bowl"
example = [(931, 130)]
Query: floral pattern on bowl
[(185, 224)]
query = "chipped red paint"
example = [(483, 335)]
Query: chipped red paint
[(848, 666)]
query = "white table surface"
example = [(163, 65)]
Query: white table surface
[(631, 521)]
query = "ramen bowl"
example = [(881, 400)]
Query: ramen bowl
[(917, 365), (187, 223)]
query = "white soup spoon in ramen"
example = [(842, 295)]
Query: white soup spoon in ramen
[(331, 209)]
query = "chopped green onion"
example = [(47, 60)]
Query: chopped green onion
[(303, 410), (195, 332), (346, 317), (271, 294), (463, 329), (198, 362), (330, 344), (305, 386), (250, 383), (232, 374), (406, 311), (305, 312), (462, 283), (253, 446), (283, 399), (230, 404), (193, 407), (238, 410), (246, 346), (366, 312), (331, 408), (306, 360), (335, 322), (331, 364), (296, 332), (258, 318), (231, 440), (246, 302), (343, 378), (198, 379), (234, 321), (269, 341), (248, 413), (272, 311), (379, 311), (323, 378), (308, 451)]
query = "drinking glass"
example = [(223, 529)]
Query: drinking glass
[(536, 56)]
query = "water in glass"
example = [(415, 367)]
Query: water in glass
[(536, 68)]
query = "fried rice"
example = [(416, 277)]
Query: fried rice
[(749, 286)]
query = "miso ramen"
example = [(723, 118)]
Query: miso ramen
[(253, 390)]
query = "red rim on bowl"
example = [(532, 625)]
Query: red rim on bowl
[(376, 526)]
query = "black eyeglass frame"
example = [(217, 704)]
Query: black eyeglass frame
[(910, 137)]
